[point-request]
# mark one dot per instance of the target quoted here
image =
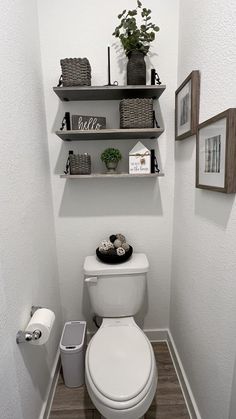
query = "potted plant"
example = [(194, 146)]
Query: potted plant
[(111, 158), (136, 40)]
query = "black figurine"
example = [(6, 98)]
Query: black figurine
[(155, 79)]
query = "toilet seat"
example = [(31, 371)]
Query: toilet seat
[(120, 365)]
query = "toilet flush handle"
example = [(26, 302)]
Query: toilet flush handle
[(93, 279)]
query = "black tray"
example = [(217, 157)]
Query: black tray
[(113, 259)]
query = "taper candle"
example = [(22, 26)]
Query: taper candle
[(109, 66)]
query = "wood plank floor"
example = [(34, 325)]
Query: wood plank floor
[(168, 402)]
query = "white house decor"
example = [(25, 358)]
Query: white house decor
[(139, 159)]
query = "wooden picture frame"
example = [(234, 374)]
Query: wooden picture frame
[(216, 153), (187, 98)]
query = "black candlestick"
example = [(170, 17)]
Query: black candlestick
[(109, 67)]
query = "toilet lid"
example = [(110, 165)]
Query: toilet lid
[(119, 361)]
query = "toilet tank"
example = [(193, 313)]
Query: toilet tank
[(116, 290)]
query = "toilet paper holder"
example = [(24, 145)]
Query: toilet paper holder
[(23, 336)]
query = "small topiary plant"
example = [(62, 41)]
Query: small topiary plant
[(111, 155)]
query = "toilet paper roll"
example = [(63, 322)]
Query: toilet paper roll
[(42, 320)]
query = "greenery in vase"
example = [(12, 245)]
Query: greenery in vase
[(132, 37), (111, 155)]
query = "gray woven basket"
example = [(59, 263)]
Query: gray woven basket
[(76, 72), (80, 164), (136, 113)]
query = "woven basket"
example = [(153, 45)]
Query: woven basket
[(76, 72), (136, 113), (80, 164)]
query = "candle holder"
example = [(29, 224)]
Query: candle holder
[(115, 83), (109, 66)]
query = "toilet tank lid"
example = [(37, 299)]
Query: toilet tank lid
[(138, 263)]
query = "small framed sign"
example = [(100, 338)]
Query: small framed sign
[(85, 122), (187, 106), (139, 159), (216, 153)]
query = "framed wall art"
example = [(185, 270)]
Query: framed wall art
[(216, 153), (187, 106)]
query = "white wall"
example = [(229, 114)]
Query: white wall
[(89, 210), (203, 309), (27, 248), (232, 414)]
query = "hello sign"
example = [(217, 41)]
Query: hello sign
[(84, 122)]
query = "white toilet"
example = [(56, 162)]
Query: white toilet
[(120, 367)]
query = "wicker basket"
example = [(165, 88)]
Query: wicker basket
[(76, 72), (80, 164), (136, 113)]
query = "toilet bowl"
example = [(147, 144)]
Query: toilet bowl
[(120, 367), (121, 374)]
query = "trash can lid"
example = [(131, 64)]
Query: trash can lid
[(73, 335)]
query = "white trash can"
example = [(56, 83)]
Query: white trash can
[(72, 348)]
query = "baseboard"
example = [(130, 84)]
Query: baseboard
[(156, 335), (45, 411), (186, 389)]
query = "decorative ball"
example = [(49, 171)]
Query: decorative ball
[(117, 243), (112, 238), (103, 242), (121, 237), (125, 246), (102, 250), (120, 251), (106, 245), (112, 252)]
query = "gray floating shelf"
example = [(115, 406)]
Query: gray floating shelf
[(108, 92), (110, 134), (113, 176)]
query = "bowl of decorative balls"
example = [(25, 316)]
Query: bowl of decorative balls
[(114, 250)]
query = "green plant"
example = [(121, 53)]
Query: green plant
[(111, 155), (132, 37)]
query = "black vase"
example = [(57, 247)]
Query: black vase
[(136, 68)]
